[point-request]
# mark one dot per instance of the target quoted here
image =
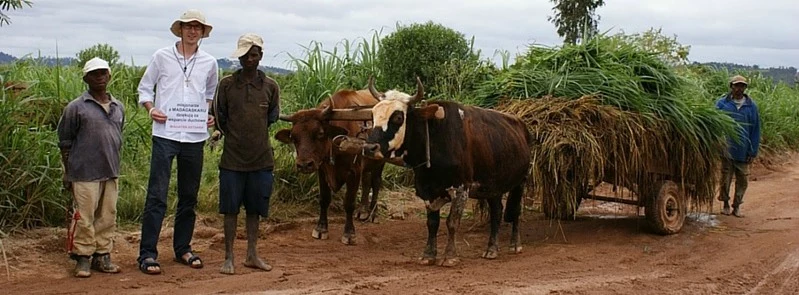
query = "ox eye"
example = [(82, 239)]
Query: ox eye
[(320, 134), (398, 119)]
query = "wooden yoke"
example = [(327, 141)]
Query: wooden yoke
[(351, 115)]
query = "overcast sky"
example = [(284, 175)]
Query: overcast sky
[(745, 32)]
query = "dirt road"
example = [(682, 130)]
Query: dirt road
[(600, 253)]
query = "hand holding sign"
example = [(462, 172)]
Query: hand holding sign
[(187, 117), (157, 116)]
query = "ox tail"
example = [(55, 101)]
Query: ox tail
[(480, 209), (513, 206)]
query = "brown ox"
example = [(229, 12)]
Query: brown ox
[(456, 151), (312, 134)]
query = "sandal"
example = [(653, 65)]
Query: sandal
[(190, 262), (102, 263), (147, 263)]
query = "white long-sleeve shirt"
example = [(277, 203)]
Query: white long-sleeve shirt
[(164, 83)]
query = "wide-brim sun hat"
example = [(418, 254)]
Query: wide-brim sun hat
[(245, 42), (190, 16)]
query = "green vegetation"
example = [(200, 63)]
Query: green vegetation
[(633, 74), (442, 58), (6, 5), (663, 129), (104, 51), (576, 20)]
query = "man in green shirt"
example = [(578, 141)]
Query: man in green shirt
[(246, 104)]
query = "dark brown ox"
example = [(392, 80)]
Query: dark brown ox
[(312, 134), (456, 152)]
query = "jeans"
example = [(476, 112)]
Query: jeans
[(190, 166)]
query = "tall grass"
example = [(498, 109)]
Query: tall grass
[(30, 177), (778, 112)]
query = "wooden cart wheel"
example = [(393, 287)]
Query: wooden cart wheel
[(666, 210)]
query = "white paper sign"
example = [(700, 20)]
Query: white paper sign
[(187, 117)]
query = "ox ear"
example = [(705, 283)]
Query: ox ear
[(431, 111), (333, 131), (284, 136)]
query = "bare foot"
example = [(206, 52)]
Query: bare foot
[(427, 261), (255, 262), (450, 262), (227, 267)]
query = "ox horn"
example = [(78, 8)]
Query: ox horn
[(285, 117), (327, 110), (372, 89), (419, 92)]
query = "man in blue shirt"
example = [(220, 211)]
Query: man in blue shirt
[(740, 153)]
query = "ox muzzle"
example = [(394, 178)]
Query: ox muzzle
[(372, 150)]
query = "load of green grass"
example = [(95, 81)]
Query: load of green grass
[(654, 128)]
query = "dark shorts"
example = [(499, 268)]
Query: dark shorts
[(252, 189)]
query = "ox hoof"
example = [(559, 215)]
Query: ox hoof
[(373, 219), (427, 261), (316, 234), (348, 240), (490, 254), (516, 249), (362, 216), (450, 262)]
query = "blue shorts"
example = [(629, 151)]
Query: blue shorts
[(252, 189)]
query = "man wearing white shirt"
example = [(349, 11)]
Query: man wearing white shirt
[(176, 89)]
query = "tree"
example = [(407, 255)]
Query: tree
[(104, 51), (419, 50), (7, 5), (667, 48), (575, 19)]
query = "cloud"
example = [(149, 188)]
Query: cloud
[(732, 30)]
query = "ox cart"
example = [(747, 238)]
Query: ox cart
[(663, 194)]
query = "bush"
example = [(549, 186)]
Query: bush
[(423, 50), (104, 51)]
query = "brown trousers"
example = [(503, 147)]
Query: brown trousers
[(96, 202), (740, 170)]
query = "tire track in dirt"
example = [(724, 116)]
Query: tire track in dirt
[(784, 276), (362, 284), (573, 284)]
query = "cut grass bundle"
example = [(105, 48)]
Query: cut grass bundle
[(580, 142), (659, 130)]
